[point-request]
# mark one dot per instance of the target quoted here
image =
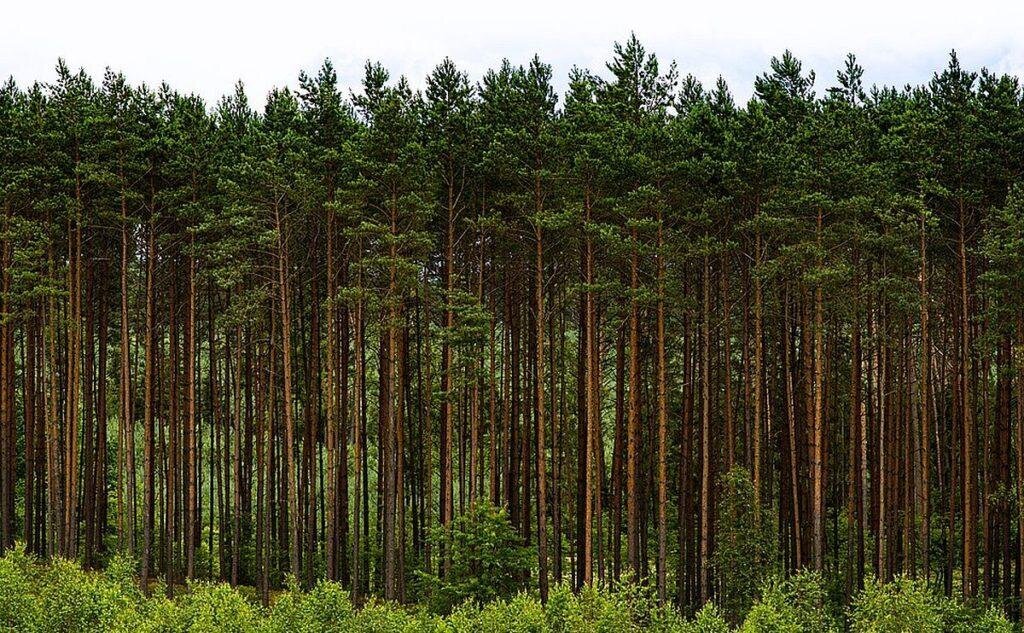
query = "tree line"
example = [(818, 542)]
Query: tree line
[(243, 344)]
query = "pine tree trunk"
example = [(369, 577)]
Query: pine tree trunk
[(970, 567), (191, 440), (758, 376), (633, 417), (662, 405), (706, 475), (924, 378), (539, 400), (148, 441), (818, 465), (289, 423)]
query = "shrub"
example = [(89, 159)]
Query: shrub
[(810, 598), (603, 611), (487, 559), (959, 618), (798, 605), (707, 620), (629, 607), (326, 608), (746, 550), (18, 606), (72, 600), (895, 607), (773, 612), (522, 614), (60, 597), (464, 618), (638, 601), (386, 617), (213, 608)]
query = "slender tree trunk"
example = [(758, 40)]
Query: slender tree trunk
[(855, 488), (633, 416), (446, 501), (1020, 443), (148, 447), (126, 470), (357, 448), (662, 404), (191, 440), (758, 376), (289, 423), (539, 402), (923, 403), (791, 421), (706, 439), (970, 570), (8, 473), (590, 422), (818, 465)]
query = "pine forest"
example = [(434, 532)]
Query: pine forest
[(429, 340)]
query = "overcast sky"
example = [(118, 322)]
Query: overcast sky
[(204, 46)]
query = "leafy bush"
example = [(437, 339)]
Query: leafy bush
[(707, 620), (60, 597), (487, 559), (386, 617), (629, 607), (602, 611), (522, 614), (909, 605), (959, 618), (796, 605), (326, 608), (895, 607), (746, 553), (212, 608), (18, 607), (772, 613), (809, 596), (72, 600)]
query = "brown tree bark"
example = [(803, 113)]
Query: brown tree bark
[(539, 404), (662, 406), (633, 416), (706, 469), (289, 422), (148, 411)]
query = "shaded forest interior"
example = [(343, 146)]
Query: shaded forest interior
[(241, 344)]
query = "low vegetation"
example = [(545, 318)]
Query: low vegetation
[(61, 597)]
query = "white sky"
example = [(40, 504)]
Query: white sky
[(205, 46)]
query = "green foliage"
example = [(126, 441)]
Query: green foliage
[(19, 610), (959, 618), (809, 594), (797, 605), (325, 608), (746, 555), (72, 600), (708, 620), (521, 614), (909, 605), (772, 612), (607, 612), (60, 597), (894, 607), (487, 559), (212, 608)]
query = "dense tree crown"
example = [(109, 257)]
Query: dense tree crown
[(664, 335)]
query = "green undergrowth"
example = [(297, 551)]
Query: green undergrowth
[(60, 597)]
